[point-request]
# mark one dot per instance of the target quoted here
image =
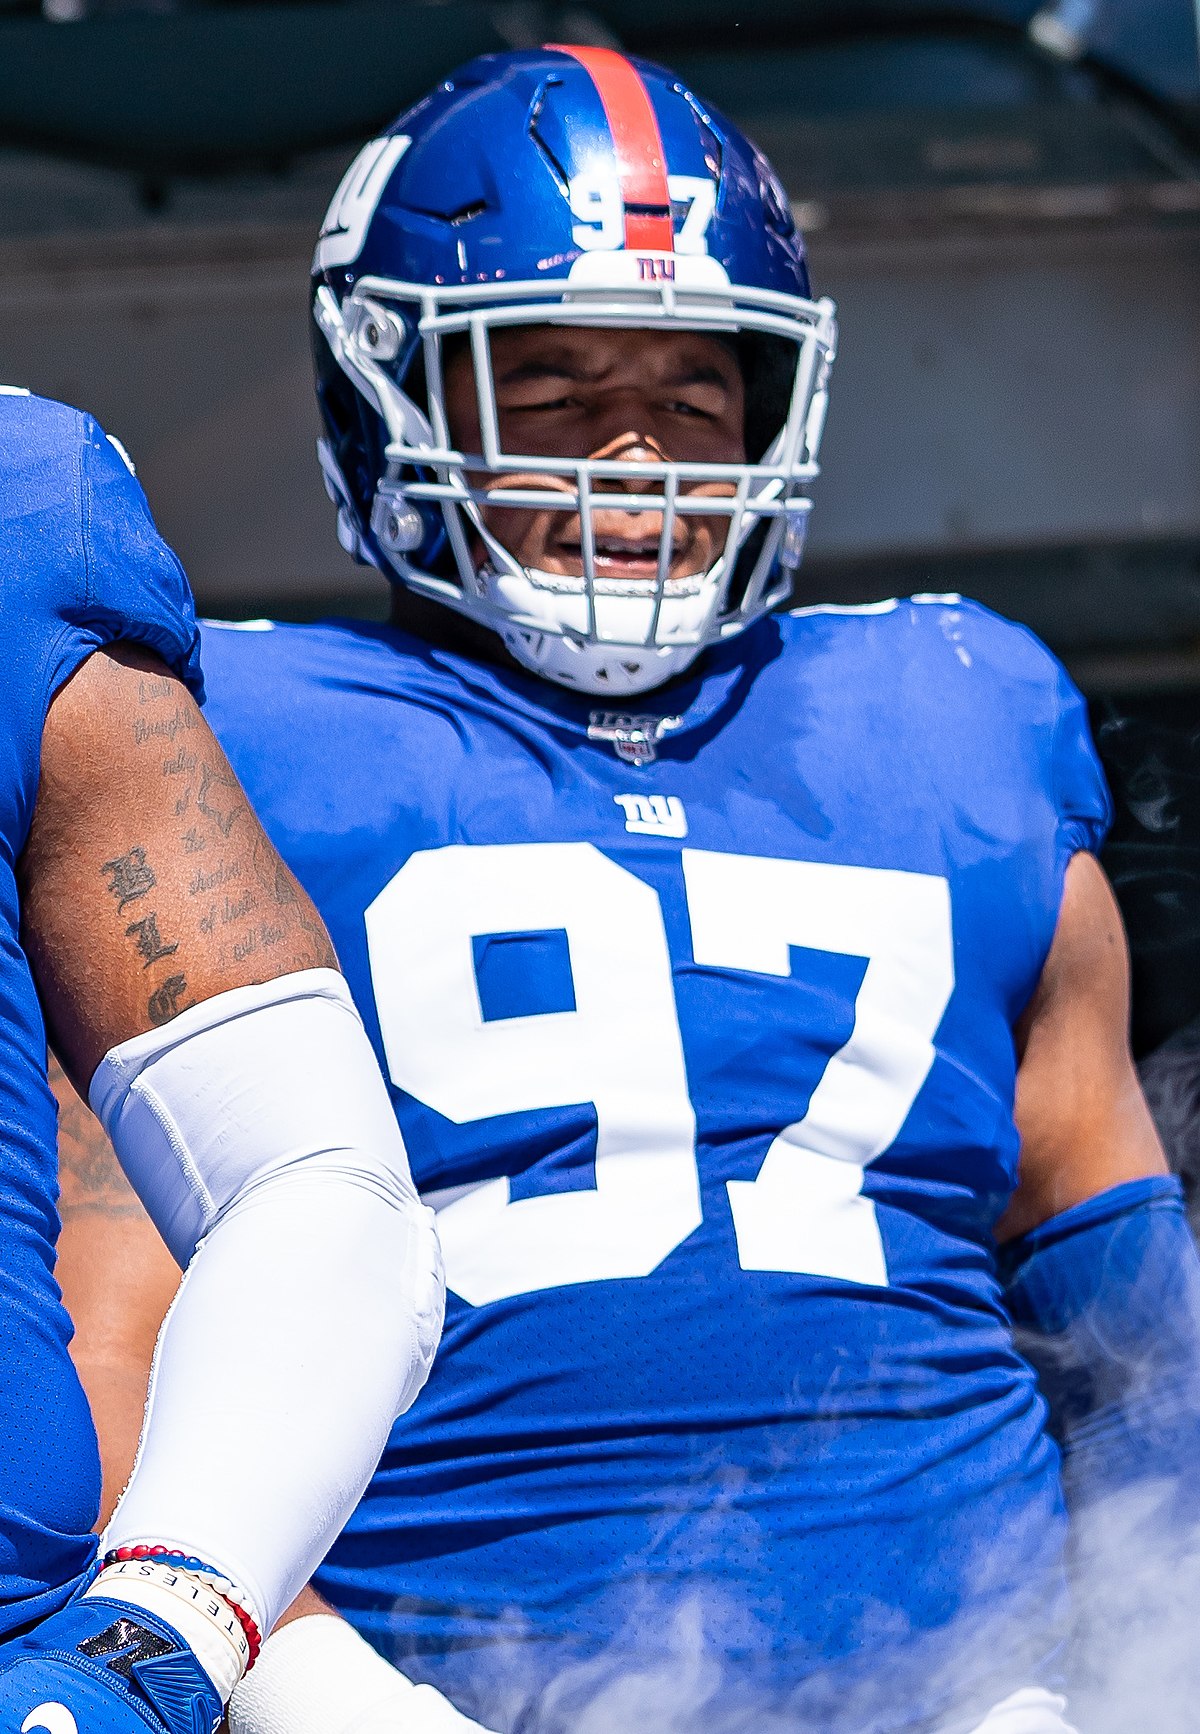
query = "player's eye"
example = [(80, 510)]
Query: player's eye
[(542, 405), (703, 399)]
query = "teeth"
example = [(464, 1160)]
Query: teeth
[(618, 550)]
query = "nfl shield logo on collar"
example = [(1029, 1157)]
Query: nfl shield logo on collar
[(634, 738)]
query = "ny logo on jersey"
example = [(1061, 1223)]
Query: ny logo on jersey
[(653, 815)]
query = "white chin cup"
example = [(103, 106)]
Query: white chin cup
[(624, 651)]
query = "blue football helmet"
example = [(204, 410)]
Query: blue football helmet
[(564, 186)]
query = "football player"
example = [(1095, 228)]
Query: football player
[(746, 982), (230, 1069)]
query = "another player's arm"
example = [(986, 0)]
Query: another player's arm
[(1102, 1274), (144, 846), (143, 842), (117, 1278), (190, 988), (147, 883)]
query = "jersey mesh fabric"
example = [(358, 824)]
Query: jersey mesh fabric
[(830, 1481), (81, 564)]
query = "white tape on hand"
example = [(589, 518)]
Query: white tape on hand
[(317, 1676)]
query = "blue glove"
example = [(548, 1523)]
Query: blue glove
[(104, 1667)]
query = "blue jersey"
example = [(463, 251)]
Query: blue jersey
[(708, 1067), (80, 565)]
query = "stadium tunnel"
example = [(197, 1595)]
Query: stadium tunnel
[(1003, 197)]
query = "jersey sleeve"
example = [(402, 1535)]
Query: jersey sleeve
[(1081, 796), (1050, 720), (129, 585)]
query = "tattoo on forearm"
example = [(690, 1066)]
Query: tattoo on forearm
[(129, 877), (275, 878), (285, 891), (223, 873), (164, 1002), (224, 907), (164, 728), (153, 687), (90, 1177), (220, 798), (246, 904), (178, 766), (149, 941)]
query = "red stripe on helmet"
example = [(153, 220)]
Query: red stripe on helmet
[(641, 161)]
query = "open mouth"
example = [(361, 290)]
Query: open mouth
[(620, 556)]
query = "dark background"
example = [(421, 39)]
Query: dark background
[(1003, 198)]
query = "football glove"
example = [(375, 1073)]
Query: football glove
[(103, 1666)]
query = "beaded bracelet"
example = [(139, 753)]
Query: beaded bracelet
[(204, 1620), (206, 1574)]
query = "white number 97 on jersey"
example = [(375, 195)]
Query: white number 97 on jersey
[(805, 1211)]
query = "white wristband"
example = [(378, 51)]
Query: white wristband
[(317, 1676), (204, 1620)]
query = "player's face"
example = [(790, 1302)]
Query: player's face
[(640, 396)]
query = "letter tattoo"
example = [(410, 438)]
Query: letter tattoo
[(164, 1003), (129, 877), (149, 941)]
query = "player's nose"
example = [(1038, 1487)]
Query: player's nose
[(634, 447)]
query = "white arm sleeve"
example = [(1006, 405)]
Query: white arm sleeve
[(317, 1676), (258, 1131)]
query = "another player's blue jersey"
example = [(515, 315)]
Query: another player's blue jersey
[(81, 564), (709, 1068)]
